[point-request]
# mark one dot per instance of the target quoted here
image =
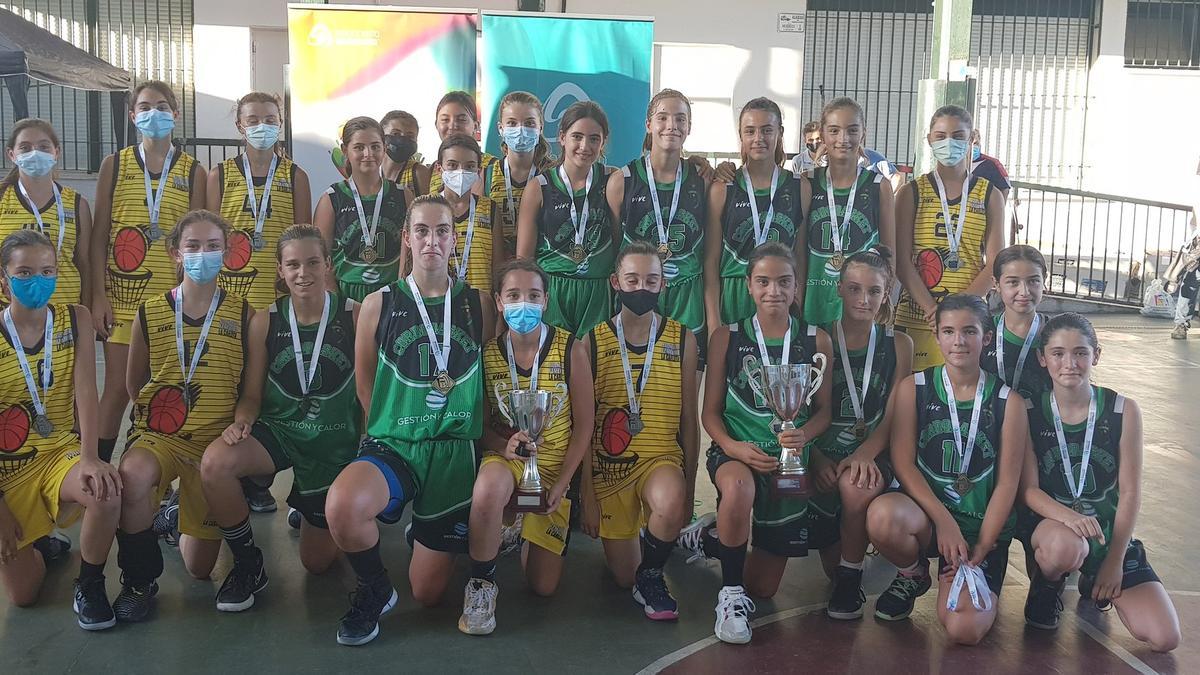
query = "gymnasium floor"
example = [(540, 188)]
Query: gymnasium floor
[(591, 626)]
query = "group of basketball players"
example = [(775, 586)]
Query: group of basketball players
[(368, 347)]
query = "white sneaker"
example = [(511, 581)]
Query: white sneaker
[(510, 536), (733, 615), (479, 608), (691, 538)]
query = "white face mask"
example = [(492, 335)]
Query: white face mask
[(459, 181)]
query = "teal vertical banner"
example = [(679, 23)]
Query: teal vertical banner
[(562, 60)]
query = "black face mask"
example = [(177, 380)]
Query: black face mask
[(400, 148), (812, 147), (639, 302)]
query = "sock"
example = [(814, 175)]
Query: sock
[(139, 556), (854, 566), (484, 569), (240, 539), (88, 571), (918, 568), (105, 448), (710, 544), (654, 551), (368, 565), (733, 564)]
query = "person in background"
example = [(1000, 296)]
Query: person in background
[(402, 163), (1183, 280), (811, 155)]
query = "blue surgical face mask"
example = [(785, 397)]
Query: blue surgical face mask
[(975, 153), (35, 163), (33, 292), (520, 138), (203, 267), (949, 151), (262, 136), (155, 123), (522, 317)]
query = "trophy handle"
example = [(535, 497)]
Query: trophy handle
[(819, 366), (499, 391), (752, 376), (558, 399)]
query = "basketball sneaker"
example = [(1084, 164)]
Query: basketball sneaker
[(1180, 332), (166, 521), (245, 579), (133, 602), (53, 547), (693, 537), (510, 536), (1044, 604), (91, 605), (479, 607), (258, 498), (846, 601), (368, 603), (897, 601), (733, 615), (650, 591), (294, 518)]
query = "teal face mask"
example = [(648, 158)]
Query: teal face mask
[(949, 151), (522, 317), (33, 292), (204, 266)]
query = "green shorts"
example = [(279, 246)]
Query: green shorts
[(735, 300), (578, 305), (684, 301), (311, 476), (357, 292)]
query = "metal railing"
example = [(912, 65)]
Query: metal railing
[(1098, 246), (212, 151)]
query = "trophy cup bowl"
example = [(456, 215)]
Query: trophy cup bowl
[(530, 411), (787, 389)]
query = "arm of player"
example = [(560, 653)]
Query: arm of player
[(102, 314), (714, 244), (993, 243), (99, 479), (301, 198), (82, 257), (254, 376), (137, 369), (1014, 436), (215, 189), (905, 270), (712, 414), (583, 417), (800, 248), (199, 196), (615, 194), (531, 205), (1129, 502), (689, 425), (366, 349), (879, 439), (818, 423), (904, 458), (323, 220)]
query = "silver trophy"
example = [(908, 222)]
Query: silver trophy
[(530, 411), (788, 389)]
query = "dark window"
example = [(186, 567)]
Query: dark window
[(1163, 34)]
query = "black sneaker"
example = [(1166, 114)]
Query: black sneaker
[(294, 519), (846, 601), (166, 521), (361, 624), (54, 547), (245, 579), (91, 605), (258, 498), (650, 591), (1044, 604), (897, 601), (133, 602)]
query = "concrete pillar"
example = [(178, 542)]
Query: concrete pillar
[(947, 83)]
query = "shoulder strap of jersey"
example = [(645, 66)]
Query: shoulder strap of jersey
[(541, 179), (476, 311), (386, 301), (1004, 389), (919, 378), (1118, 405)]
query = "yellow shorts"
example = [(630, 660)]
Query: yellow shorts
[(33, 494), (177, 458), (122, 329), (621, 513), (926, 352), (547, 531)]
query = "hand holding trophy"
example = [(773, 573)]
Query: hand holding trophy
[(530, 411), (787, 389)]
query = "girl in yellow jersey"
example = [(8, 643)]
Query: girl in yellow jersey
[(643, 461), (526, 154), (48, 462), (402, 163), (30, 199), (948, 231), (260, 193), (185, 371), (458, 115), (142, 191), (529, 355)]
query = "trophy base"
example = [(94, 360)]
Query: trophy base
[(528, 502), (791, 485)]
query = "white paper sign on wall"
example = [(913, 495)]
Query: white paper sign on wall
[(791, 22)]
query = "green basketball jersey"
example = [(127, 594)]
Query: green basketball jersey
[(556, 232), (822, 304), (938, 458), (839, 442), (321, 430), (685, 233), (405, 408), (1100, 489), (737, 223), (1034, 379), (348, 263)]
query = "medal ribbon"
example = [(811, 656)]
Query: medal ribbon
[(441, 351), (39, 402), (835, 229), (635, 405), (1028, 344), (579, 221), (762, 344), (658, 219), (954, 233), (964, 453), (190, 369), (37, 213), (368, 230), (855, 401), (533, 371), (761, 230), (1075, 488), (154, 198), (976, 583), (305, 372), (508, 191), (461, 267), (260, 213)]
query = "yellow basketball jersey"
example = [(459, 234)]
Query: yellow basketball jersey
[(20, 443), (138, 267), (553, 369), (615, 452), (248, 272), (407, 178), (435, 177), (931, 246), (203, 412), (479, 262), (499, 194), (16, 214)]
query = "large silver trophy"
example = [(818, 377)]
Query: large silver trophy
[(530, 411), (788, 389)]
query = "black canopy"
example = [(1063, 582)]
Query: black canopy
[(26, 49)]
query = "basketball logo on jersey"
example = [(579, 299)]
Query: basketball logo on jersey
[(615, 466), (125, 283), (236, 275), (14, 431), (168, 409)]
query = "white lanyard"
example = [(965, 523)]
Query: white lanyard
[(964, 453), (855, 401), (579, 221), (762, 345), (305, 372), (954, 233), (1076, 488), (260, 212), (198, 349), (508, 191), (835, 228), (461, 268), (441, 351), (368, 230), (763, 229), (635, 405), (153, 198), (533, 371), (39, 402), (658, 219), (1033, 329), (976, 583), (37, 213)]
